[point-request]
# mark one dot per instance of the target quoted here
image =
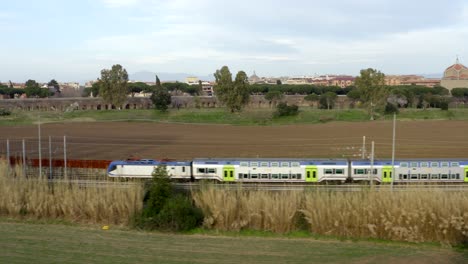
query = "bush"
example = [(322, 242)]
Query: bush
[(283, 109), (179, 214), (391, 109), (164, 210), (444, 105), (4, 112)]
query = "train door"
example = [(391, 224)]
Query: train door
[(387, 174), (311, 174), (466, 174), (228, 173)]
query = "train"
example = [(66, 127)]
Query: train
[(262, 170)]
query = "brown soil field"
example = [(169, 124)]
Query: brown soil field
[(121, 140)]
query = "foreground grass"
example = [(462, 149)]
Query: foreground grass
[(417, 216), (43, 243), (307, 115)]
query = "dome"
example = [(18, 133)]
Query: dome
[(456, 72)]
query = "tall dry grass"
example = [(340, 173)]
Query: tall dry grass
[(39, 199), (416, 216)]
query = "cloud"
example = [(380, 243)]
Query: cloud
[(120, 3)]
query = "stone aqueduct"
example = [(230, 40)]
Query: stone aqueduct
[(69, 104)]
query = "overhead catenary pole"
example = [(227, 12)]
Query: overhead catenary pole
[(24, 158), (65, 156), (393, 150), (371, 179), (8, 156), (363, 147), (50, 158), (39, 147)]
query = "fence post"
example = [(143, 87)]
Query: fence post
[(50, 158), (8, 156)]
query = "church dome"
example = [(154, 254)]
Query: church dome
[(456, 72)]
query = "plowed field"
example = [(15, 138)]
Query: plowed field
[(121, 140)]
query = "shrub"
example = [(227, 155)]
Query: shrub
[(164, 210), (444, 105), (391, 108), (283, 109), (4, 112), (179, 214)]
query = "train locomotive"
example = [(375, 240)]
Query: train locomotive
[(298, 170)]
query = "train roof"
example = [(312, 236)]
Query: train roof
[(237, 161), (150, 162), (388, 162)]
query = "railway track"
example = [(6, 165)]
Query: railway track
[(275, 187)]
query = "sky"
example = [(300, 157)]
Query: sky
[(74, 40)]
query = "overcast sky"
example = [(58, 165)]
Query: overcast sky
[(73, 40)]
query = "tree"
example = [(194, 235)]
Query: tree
[(137, 87), (160, 97), (53, 83), (312, 98), (235, 95), (274, 96), (278, 82), (113, 85), (283, 109), (371, 85), (34, 90), (327, 100)]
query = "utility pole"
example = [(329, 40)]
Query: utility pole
[(363, 147), (371, 179), (393, 150), (39, 146)]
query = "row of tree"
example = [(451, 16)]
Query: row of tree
[(32, 89)]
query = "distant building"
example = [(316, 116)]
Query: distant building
[(395, 80), (455, 76), (191, 80)]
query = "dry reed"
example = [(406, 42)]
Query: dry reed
[(39, 199), (415, 216)]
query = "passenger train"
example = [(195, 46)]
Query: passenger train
[(298, 170)]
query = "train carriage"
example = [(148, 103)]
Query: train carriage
[(144, 168)]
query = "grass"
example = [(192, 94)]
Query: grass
[(249, 116), (36, 243), (419, 216), (32, 198)]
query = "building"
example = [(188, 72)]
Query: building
[(395, 80), (455, 76)]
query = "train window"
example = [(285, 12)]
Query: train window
[(253, 176), (246, 176), (455, 164), (293, 176), (274, 176), (458, 176), (359, 171), (284, 164), (244, 164), (404, 164), (434, 164), (201, 170), (211, 170), (314, 174), (172, 168), (264, 176), (400, 176), (444, 176), (253, 164), (414, 164), (275, 164), (225, 174), (284, 176), (308, 174), (424, 164), (328, 171), (434, 176), (444, 164), (183, 169), (453, 176), (405, 176), (264, 164), (231, 174), (339, 171), (424, 177), (298, 176), (295, 164), (414, 176), (385, 174)]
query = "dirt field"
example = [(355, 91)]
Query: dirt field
[(94, 140)]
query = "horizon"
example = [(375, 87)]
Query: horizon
[(73, 41)]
